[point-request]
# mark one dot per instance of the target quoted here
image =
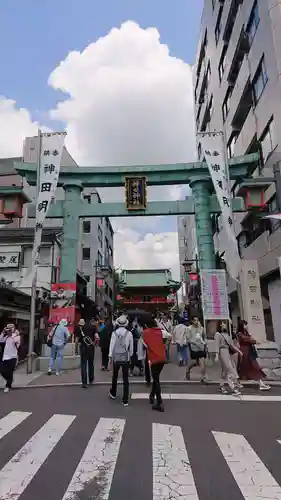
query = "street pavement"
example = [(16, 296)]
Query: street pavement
[(66, 443)]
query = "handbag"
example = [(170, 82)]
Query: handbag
[(50, 337), (253, 353), (231, 348)]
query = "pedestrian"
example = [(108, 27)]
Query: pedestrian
[(10, 343), (181, 338), (249, 368), (86, 337), (57, 339), (105, 336), (156, 353), (225, 348), (197, 343), (135, 328), (143, 358), (121, 350)]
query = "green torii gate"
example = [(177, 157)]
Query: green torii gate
[(202, 203)]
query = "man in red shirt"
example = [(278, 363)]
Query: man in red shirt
[(153, 341)]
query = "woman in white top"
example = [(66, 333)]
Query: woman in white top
[(225, 348), (10, 340)]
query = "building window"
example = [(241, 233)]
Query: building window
[(218, 25), (87, 198), (272, 207), (226, 104), (253, 23), (268, 141), (222, 63), (260, 81), (86, 226), (100, 235), (231, 144), (99, 259), (86, 253)]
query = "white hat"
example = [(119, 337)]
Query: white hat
[(122, 321)]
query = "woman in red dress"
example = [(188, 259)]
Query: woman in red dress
[(248, 367)]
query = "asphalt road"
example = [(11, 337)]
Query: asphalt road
[(70, 444)]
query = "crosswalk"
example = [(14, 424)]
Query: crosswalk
[(93, 475)]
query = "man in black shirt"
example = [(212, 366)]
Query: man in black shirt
[(86, 338)]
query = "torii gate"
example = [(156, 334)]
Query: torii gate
[(201, 204)]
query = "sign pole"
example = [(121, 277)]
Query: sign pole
[(34, 278)]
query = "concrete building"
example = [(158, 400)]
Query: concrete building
[(237, 89), (96, 235)]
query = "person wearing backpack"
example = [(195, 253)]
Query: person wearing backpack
[(121, 350)]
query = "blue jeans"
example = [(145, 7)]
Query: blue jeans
[(56, 357), (182, 353)]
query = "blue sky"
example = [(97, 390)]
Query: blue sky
[(36, 35)]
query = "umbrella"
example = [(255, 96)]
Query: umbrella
[(140, 313)]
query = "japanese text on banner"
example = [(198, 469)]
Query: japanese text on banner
[(49, 169), (213, 147)]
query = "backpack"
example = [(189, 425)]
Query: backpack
[(120, 351)]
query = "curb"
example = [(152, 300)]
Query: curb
[(164, 383)]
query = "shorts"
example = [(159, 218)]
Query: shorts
[(197, 354)]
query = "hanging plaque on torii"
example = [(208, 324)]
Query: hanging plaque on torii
[(136, 193)]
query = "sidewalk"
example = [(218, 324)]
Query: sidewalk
[(172, 374)]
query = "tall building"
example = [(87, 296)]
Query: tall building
[(237, 89), (96, 234)]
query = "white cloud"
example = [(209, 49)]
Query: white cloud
[(15, 125), (151, 251), (129, 102)]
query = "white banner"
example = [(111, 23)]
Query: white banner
[(51, 147), (213, 147)]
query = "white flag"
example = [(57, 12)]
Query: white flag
[(51, 147), (213, 148)]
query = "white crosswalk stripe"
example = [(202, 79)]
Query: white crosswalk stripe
[(18, 473), (249, 472), (173, 477), (172, 474), (9, 422), (96, 468)]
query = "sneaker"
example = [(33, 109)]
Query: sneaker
[(264, 387), (236, 392), (57, 374), (239, 385), (84, 386), (157, 407), (125, 404), (204, 380), (7, 389), (111, 395), (223, 390), (49, 372)]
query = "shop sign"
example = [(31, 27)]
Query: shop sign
[(214, 294), (9, 259)]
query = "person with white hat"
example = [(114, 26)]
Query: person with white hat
[(121, 350), (58, 338)]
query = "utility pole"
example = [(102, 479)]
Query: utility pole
[(34, 278)]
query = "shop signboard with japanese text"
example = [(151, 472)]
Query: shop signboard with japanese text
[(214, 294), (63, 298), (9, 259), (252, 299)]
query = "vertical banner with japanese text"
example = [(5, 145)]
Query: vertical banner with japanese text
[(51, 147), (213, 149)]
